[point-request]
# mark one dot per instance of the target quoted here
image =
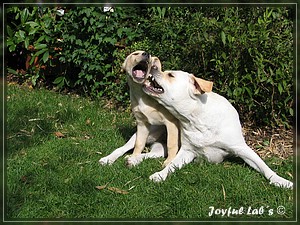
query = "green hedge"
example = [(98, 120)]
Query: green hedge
[(246, 51)]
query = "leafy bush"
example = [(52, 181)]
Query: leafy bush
[(246, 51), (32, 35), (92, 39)]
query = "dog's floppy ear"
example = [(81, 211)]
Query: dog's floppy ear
[(156, 62), (123, 67), (202, 86)]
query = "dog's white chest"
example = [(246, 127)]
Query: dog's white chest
[(199, 138)]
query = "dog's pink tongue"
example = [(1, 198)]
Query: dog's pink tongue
[(139, 73)]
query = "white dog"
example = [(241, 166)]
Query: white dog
[(209, 124)]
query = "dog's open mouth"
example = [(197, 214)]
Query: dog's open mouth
[(151, 86), (139, 72)]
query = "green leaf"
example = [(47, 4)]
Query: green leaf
[(46, 56), (22, 34), (92, 20), (32, 23), (31, 60), (41, 38), (223, 37), (40, 52), (223, 55), (291, 111), (163, 12), (58, 80), (78, 42), (280, 89), (40, 46), (119, 31), (24, 15), (11, 44), (26, 42), (12, 47), (248, 91), (9, 31), (12, 71), (34, 79), (100, 25), (158, 10), (32, 30), (17, 16), (84, 20), (110, 40)]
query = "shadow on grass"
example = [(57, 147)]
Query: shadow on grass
[(26, 127), (126, 131), (235, 160)]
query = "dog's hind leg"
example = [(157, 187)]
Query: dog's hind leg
[(253, 160), (214, 154), (112, 157), (157, 150)]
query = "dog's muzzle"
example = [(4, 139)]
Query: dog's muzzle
[(139, 72)]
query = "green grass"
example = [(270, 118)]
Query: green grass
[(55, 178)]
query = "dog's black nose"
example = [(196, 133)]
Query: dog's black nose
[(146, 54)]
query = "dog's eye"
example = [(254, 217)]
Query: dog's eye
[(170, 75), (135, 53)]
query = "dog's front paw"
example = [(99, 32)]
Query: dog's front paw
[(106, 161), (281, 182), (158, 177), (133, 160)]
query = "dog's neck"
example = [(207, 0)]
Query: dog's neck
[(188, 114), (135, 89), (139, 98)]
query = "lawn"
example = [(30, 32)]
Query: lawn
[(54, 142)]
